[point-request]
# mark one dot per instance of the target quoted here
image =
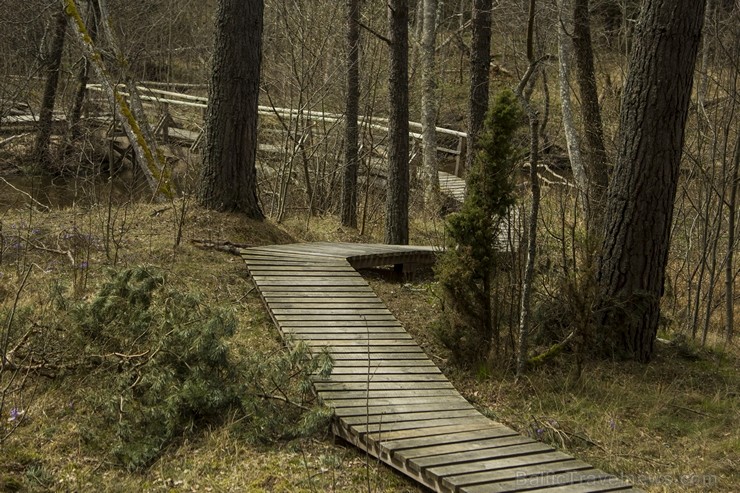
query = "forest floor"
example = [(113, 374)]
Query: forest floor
[(671, 425)]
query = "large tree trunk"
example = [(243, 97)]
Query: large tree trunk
[(228, 180), (480, 62), (429, 101), (351, 151), (397, 203), (639, 207), (596, 159), (43, 137)]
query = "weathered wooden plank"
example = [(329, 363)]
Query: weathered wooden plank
[(375, 385), (454, 483), (335, 336), (376, 356), (333, 329), (379, 394), (385, 370), (600, 483), (520, 461), (299, 290), (378, 378), (466, 425), (411, 416), (390, 410), (358, 311), (333, 318), (458, 457), (508, 438), (435, 445), (409, 345), (391, 401), (379, 430), (329, 304), (341, 323), (383, 363), (319, 298)]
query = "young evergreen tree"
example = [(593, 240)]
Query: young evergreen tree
[(465, 271)]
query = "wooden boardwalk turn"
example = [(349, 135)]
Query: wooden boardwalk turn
[(389, 398)]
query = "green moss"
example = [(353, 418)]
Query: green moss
[(157, 169)]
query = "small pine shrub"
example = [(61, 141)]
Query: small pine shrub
[(163, 369), (466, 270)]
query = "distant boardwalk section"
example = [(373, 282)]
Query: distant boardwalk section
[(389, 398)]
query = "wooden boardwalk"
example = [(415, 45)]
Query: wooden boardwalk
[(509, 236), (389, 398)]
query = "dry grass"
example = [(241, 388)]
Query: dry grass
[(65, 249), (668, 425)]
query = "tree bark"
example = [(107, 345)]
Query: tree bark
[(351, 136), (150, 161), (525, 313), (572, 137), (43, 137), (83, 78), (429, 101), (397, 201), (228, 180), (480, 62), (596, 158), (639, 207)]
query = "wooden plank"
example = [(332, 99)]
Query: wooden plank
[(593, 481), (384, 378), (374, 385), (521, 461), (392, 401), (333, 318), (383, 363), (299, 290), (391, 344), (334, 336), (410, 416), (329, 304), (348, 298), (431, 431), (358, 311), (279, 294), (424, 446), (454, 483), (375, 394), (391, 331), (374, 355), (341, 323), (481, 446), (386, 410), (385, 370), (458, 457), (380, 430)]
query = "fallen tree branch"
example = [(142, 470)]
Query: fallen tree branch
[(221, 246), (24, 193)]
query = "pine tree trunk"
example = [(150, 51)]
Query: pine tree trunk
[(480, 62), (596, 159), (351, 151), (228, 180), (43, 137), (397, 202), (429, 101), (639, 208)]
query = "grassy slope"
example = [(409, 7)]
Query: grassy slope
[(677, 416)]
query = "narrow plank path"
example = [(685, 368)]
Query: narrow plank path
[(509, 237), (389, 398)]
